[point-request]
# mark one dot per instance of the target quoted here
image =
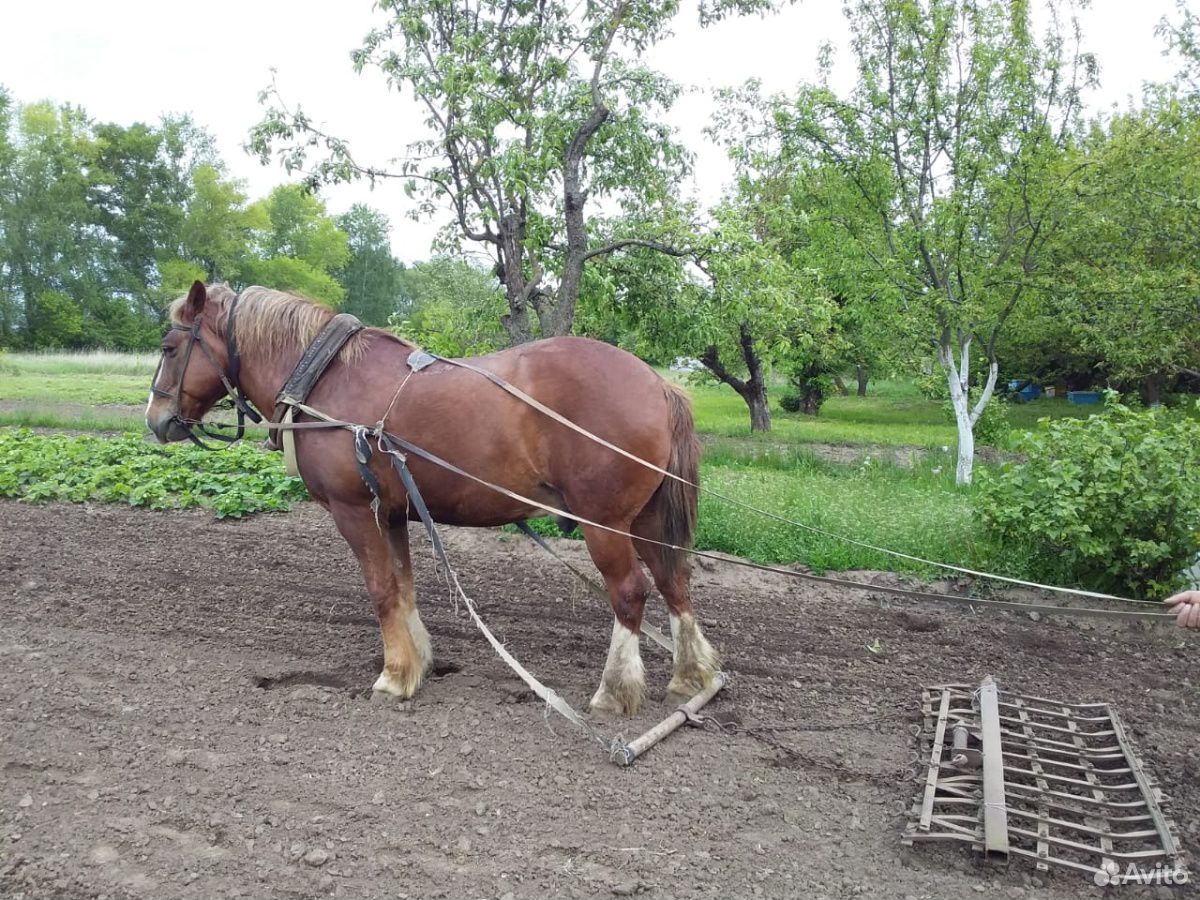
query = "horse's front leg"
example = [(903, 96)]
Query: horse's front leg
[(401, 556), (404, 662)]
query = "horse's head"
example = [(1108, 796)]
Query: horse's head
[(190, 377)]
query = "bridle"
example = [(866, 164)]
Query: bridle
[(233, 388)]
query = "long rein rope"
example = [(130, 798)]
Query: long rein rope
[(326, 421), (563, 420)]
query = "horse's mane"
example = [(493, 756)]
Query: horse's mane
[(271, 322)]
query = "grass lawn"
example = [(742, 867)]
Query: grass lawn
[(92, 389), (894, 413), (86, 362), (914, 511)]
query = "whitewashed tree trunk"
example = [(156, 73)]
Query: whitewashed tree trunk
[(958, 374)]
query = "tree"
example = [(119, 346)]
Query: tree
[(10, 308), (450, 307), (371, 276), (742, 307), (535, 109), (297, 245), (1128, 249), (217, 226), (52, 251), (953, 137)]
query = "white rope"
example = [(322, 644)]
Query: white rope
[(563, 420)]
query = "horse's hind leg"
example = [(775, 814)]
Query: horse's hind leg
[(623, 684), (695, 661), (403, 666)]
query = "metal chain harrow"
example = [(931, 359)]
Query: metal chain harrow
[(1058, 783)]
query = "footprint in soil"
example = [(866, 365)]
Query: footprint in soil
[(438, 671), (291, 679)]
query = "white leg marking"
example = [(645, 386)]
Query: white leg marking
[(624, 680), (695, 661), (420, 638)]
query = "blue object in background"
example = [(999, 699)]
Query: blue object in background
[(1030, 392), (1084, 398)]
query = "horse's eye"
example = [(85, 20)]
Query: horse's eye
[(168, 350)]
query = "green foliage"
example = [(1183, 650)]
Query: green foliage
[(911, 511), (371, 275), (298, 246), (450, 307), (790, 402), (1110, 502), (233, 483)]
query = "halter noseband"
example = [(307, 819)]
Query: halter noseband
[(232, 385)]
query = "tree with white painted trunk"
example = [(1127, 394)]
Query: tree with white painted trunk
[(953, 137)]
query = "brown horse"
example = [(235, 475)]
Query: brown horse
[(461, 417)]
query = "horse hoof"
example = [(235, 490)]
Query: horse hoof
[(689, 685), (621, 703), (396, 685)]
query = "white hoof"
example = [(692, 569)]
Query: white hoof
[(398, 684)]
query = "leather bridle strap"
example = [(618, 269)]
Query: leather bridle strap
[(230, 382)]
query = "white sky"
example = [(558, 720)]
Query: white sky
[(133, 60)]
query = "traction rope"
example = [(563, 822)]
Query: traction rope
[(563, 420), (409, 447)]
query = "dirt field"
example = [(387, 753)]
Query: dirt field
[(185, 713)]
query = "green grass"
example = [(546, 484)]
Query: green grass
[(76, 387), (893, 415), (36, 416), (85, 362), (917, 511), (912, 511)]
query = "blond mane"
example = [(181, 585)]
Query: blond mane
[(270, 323)]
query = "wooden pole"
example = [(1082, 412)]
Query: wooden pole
[(624, 754)]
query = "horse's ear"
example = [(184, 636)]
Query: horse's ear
[(194, 304)]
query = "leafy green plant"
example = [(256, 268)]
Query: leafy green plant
[(790, 402), (233, 483), (1110, 502)]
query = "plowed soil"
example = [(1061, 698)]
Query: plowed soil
[(185, 712)]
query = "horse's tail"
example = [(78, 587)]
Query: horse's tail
[(674, 502)]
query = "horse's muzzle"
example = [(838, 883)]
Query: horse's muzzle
[(168, 430)]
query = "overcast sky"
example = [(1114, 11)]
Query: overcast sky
[(134, 60)]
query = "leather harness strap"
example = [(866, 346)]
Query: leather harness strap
[(312, 365)]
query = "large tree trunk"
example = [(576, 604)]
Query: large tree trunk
[(965, 416), (1152, 389), (760, 410), (838, 383), (861, 373), (517, 288), (752, 390)]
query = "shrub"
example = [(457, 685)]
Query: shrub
[(790, 402), (1111, 502)]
